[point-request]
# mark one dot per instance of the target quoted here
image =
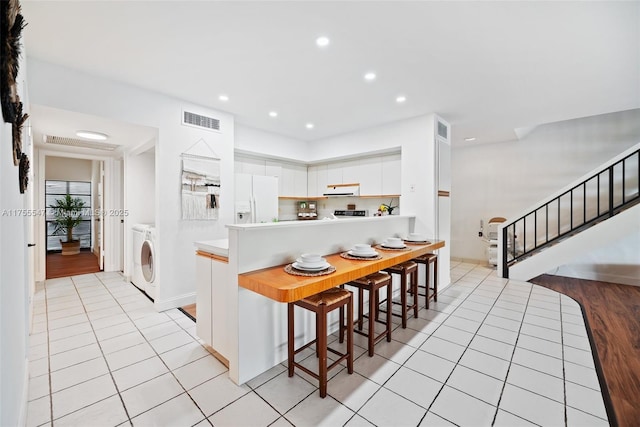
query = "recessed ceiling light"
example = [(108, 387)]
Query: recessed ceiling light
[(322, 41), (273, 114), (94, 136), (472, 138), (309, 125), (370, 76), (400, 99), (223, 98)]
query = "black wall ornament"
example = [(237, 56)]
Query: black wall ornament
[(11, 24), (18, 121), (23, 173)]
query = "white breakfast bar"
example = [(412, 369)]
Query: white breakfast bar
[(242, 288)]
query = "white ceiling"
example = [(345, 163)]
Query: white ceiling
[(487, 67)]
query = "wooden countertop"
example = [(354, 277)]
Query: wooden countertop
[(275, 283)]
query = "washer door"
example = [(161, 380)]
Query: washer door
[(146, 261)]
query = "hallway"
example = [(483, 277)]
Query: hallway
[(71, 265)]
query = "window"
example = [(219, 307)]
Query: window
[(57, 189)]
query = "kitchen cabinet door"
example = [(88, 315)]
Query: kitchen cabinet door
[(322, 179), (273, 168), (300, 181), (254, 166), (203, 299), (370, 178), (351, 172), (312, 181), (391, 174), (334, 173), (286, 182)]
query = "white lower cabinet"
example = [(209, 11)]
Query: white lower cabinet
[(211, 317)]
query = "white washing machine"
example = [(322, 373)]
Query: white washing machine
[(144, 271)]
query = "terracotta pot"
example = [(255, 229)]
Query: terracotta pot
[(70, 248)]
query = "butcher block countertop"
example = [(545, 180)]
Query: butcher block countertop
[(275, 283)]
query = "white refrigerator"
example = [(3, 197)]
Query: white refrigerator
[(256, 198)]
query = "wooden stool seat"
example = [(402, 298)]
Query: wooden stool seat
[(372, 283), (406, 270), (427, 260), (322, 304)]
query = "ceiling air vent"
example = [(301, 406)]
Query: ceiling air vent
[(197, 120), (72, 142)]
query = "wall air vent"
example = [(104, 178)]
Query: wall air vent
[(73, 142), (197, 120), (443, 131)]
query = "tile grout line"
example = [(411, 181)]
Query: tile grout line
[(515, 346)]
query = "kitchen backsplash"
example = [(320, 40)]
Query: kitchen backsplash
[(288, 208)]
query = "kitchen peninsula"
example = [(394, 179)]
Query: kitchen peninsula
[(244, 316)]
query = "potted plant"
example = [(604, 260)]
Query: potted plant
[(68, 215)]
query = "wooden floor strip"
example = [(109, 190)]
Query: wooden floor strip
[(613, 315), (70, 265)]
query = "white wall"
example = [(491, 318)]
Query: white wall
[(269, 144), (503, 178), (14, 286), (71, 90), (67, 169)]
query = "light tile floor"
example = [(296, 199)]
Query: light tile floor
[(489, 352)]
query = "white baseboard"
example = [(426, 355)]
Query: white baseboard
[(175, 302)]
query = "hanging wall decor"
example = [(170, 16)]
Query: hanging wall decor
[(23, 173), (18, 121), (200, 182), (11, 25)]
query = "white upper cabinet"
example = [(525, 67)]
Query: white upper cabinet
[(370, 176), (300, 181), (322, 179), (351, 172), (312, 181), (391, 174), (273, 168), (334, 173)]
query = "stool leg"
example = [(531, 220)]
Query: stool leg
[(389, 305), (360, 308), (321, 319), (403, 299), (435, 280), (341, 325), (372, 309), (427, 273), (350, 335), (291, 338), (414, 287)]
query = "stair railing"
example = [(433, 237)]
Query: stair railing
[(605, 193)]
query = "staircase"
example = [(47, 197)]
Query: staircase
[(602, 206)]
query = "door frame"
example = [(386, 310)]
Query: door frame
[(112, 197)]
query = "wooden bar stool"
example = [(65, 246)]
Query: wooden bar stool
[(322, 304), (372, 283), (408, 271), (427, 260)]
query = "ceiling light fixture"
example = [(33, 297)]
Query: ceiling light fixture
[(400, 99), (322, 41), (309, 125), (94, 136), (223, 98), (370, 76), (470, 139), (273, 114)]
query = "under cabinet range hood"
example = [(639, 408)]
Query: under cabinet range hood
[(338, 190)]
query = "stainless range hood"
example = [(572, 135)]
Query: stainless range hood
[(342, 190)]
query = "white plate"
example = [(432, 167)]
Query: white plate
[(317, 264), (393, 247), (299, 267), (363, 255)]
